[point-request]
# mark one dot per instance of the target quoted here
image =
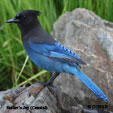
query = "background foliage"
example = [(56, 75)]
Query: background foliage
[(15, 67)]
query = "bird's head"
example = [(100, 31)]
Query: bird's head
[(25, 16), (26, 20)]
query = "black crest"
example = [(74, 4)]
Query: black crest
[(28, 13)]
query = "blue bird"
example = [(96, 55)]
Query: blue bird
[(48, 54)]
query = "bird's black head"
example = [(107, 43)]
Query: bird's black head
[(25, 16), (26, 20)]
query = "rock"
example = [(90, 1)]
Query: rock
[(7, 98), (39, 99), (91, 38)]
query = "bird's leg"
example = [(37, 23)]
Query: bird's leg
[(50, 81)]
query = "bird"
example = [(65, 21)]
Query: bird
[(48, 54)]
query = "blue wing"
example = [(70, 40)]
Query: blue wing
[(57, 52)]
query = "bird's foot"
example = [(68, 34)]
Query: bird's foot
[(50, 81), (45, 84)]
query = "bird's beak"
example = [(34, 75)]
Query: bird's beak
[(13, 20)]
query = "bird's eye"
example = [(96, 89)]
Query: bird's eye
[(20, 16), (17, 16)]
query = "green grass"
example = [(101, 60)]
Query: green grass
[(15, 67)]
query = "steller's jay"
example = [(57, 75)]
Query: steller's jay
[(48, 54)]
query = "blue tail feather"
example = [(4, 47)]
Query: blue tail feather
[(91, 85)]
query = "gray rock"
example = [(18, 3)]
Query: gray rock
[(40, 99), (7, 97), (106, 42), (91, 38)]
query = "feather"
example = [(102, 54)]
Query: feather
[(57, 52)]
